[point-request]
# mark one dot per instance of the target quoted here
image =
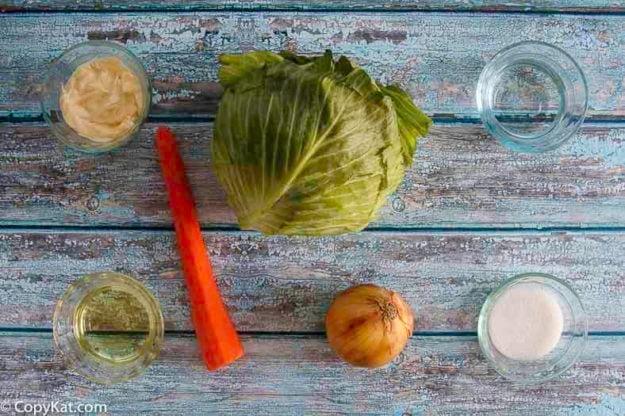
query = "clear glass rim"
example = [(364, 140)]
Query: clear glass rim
[(138, 69), (550, 138), (88, 365), (563, 360)]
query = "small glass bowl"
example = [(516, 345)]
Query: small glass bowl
[(564, 354), (60, 72), (532, 96), (108, 327)]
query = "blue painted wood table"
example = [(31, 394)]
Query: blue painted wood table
[(468, 214)]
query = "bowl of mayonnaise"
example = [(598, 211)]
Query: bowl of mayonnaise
[(96, 96)]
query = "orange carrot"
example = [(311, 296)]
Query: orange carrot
[(217, 336)]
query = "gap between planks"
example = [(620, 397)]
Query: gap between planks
[(438, 119), (520, 230), (7, 331), (340, 7)]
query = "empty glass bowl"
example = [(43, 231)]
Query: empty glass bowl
[(60, 72), (563, 353), (532, 97), (108, 327)]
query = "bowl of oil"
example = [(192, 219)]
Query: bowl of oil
[(108, 327)]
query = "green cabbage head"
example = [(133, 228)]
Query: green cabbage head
[(310, 146)]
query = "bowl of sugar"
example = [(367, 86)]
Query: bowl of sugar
[(532, 328)]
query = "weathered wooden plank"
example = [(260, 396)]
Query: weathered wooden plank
[(437, 57), (281, 284), (460, 178), (585, 6), (300, 375)]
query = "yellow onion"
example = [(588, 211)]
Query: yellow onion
[(368, 325)]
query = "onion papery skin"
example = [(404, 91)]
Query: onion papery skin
[(368, 325)]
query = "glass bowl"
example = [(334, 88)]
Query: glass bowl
[(532, 96), (108, 327), (60, 72), (566, 351)]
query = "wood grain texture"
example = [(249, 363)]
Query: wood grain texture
[(437, 57), (586, 6), (460, 178), (279, 284), (301, 375)]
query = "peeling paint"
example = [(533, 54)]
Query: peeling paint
[(280, 284), (437, 57), (460, 178), (605, 405)]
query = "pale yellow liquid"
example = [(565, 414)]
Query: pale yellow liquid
[(112, 325)]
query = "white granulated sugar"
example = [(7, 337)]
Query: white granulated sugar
[(525, 323)]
